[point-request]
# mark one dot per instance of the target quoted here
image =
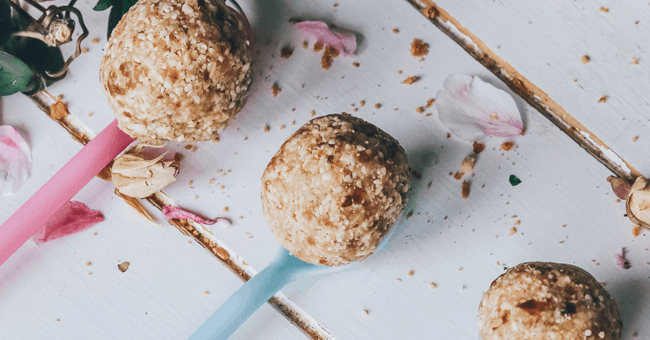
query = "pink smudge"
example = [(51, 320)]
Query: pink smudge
[(180, 213), (473, 109), (72, 218), (318, 31), (621, 261), (15, 160)]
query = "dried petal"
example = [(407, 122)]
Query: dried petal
[(72, 218), (638, 202), (320, 32), (134, 175), (15, 160), (473, 109), (180, 213), (620, 186)]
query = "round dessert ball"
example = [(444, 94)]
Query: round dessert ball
[(334, 189), (548, 301), (177, 70)]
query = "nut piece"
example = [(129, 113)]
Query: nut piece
[(124, 266), (135, 176), (537, 300), (334, 189), (638, 203), (177, 70), (467, 165)]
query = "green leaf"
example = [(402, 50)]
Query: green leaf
[(14, 74), (514, 181), (114, 17), (127, 4), (103, 5)]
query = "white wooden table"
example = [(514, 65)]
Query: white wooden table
[(568, 212)]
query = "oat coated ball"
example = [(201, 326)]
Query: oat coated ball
[(334, 189), (548, 301), (177, 70)]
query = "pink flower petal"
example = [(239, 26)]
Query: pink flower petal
[(315, 31), (72, 218), (180, 213), (15, 160), (473, 109), (621, 261)]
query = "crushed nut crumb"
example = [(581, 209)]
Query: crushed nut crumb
[(87, 263), (636, 231), (603, 99), (634, 61), (410, 80), (95, 41), (432, 285), (275, 89), (395, 30), (123, 266), (362, 103), (477, 147), (364, 312), (410, 272), (377, 105), (84, 50), (267, 128), (513, 231), (517, 222), (419, 109), (465, 190), (430, 102), (585, 59), (59, 110), (507, 146), (328, 57), (635, 138), (603, 9), (313, 113), (419, 48), (356, 64)]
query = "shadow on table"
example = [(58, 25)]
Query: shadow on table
[(631, 296)]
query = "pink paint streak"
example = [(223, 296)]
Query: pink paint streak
[(72, 218), (180, 213)]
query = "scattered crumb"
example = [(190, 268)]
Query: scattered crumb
[(355, 109), (90, 114), (240, 217), (458, 176), (189, 242), (585, 59), (95, 233), (206, 292), (362, 103), (364, 312), (448, 135), (603, 99), (428, 114), (84, 50), (282, 127), (477, 147), (460, 269), (636, 231), (225, 209), (635, 138), (507, 146), (305, 44), (432, 285), (222, 187), (336, 4), (328, 57), (419, 48), (90, 273), (399, 72), (267, 128), (564, 226), (313, 113), (87, 263), (318, 46), (286, 52), (517, 222), (59, 110), (293, 123), (95, 41), (275, 89), (419, 109), (494, 116), (603, 9), (410, 272), (57, 320), (356, 64), (395, 30), (377, 105), (191, 182), (465, 189), (513, 231), (196, 197), (410, 80), (211, 181), (123, 266), (467, 165), (634, 61), (430, 102), (513, 216)]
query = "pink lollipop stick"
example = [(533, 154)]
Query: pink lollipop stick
[(85, 165)]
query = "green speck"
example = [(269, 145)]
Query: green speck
[(514, 180)]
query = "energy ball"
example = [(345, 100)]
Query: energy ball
[(334, 189), (177, 70), (548, 301)]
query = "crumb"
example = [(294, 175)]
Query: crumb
[(517, 222), (225, 209), (275, 89), (57, 320), (477, 147), (84, 50), (448, 135), (458, 176), (305, 44), (90, 273), (222, 187), (419, 48), (95, 41), (282, 127), (355, 109), (419, 109), (460, 269), (362, 103), (635, 138), (123, 266), (328, 57), (602, 99), (191, 182), (250, 237), (286, 52), (356, 64), (585, 59), (430, 102), (87, 263), (377, 105), (395, 30), (95, 233), (90, 114), (364, 312), (399, 72), (513, 231), (564, 226), (189, 242), (513, 216), (188, 146), (313, 113), (636, 231), (428, 114), (211, 181), (318, 46), (634, 61), (465, 189), (59, 110), (410, 272), (507, 146), (432, 285), (603, 9), (467, 165), (398, 279), (494, 116), (336, 4), (196, 197), (410, 80), (267, 128), (206, 292), (240, 217), (293, 123)]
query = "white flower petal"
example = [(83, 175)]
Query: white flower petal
[(15, 160), (473, 109)]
